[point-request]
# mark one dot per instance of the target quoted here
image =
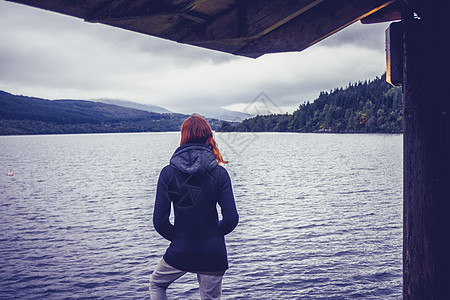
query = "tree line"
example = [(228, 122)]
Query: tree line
[(369, 106)]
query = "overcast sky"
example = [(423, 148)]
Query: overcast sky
[(53, 56)]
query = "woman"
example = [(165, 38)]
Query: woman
[(194, 183)]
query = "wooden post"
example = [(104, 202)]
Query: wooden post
[(426, 217)]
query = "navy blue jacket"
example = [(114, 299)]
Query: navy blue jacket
[(194, 183)]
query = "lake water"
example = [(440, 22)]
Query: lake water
[(320, 216)]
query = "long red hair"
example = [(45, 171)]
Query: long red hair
[(196, 130)]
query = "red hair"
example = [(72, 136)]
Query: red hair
[(196, 130)]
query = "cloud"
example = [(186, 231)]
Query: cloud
[(293, 78), (360, 35), (54, 56)]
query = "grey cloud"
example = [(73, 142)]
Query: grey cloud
[(55, 56), (362, 35), (183, 54)]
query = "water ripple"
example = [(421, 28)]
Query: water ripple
[(320, 217)]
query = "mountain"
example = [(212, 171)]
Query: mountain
[(219, 113), (225, 114), (125, 103), (28, 115), (369, 106)]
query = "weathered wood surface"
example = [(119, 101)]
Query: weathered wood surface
[(307, 30), (390, 13), (426, 253)]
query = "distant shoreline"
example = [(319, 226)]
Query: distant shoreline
[(177, 131)]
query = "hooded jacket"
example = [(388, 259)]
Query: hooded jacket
[(193, 183)]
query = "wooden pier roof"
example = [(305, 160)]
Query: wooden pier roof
[(248, 28)]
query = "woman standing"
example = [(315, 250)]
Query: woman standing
[(194, 183)]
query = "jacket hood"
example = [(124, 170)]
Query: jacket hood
[(193, 158)]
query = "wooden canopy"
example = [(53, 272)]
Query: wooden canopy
[(242, 27)]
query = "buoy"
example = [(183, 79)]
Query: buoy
[(10, 173)]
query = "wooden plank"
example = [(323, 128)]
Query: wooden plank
[(239, 26), (167, 26), (195, 10), (313, 26), (249, 20), (76, 8), (394, 53), (391, 12), (264, 19), (124, 9), (211, 7)]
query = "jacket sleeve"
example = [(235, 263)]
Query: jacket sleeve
[(162, 208), (230, 217)]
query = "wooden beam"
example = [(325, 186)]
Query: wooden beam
[(313, 26), (426, 217), (430, 9), (249, 28), (210, 7), (391, 12), (118, 9), (250, 20), (196, 10), (77, 8), (168, 26)]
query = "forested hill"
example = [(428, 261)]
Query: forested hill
[(26, 115), (369, 106)]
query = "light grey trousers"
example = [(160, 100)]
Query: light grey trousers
[(164, 274)]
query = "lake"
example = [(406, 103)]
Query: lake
[(320, 216)]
